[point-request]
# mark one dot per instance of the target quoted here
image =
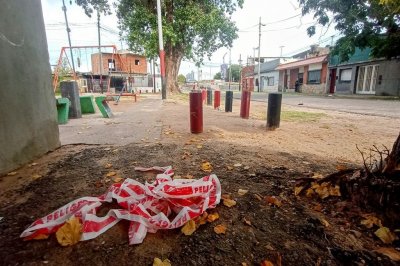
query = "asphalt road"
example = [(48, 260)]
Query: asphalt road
[(374, 107)]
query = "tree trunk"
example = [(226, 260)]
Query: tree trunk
[(393, 160), (172, 64)]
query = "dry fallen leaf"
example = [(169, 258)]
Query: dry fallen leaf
[(237, 165), (225, 196), (12, 173), (117, 179), (309, 193), (258, 197), (199, 146), (112, 173), (323, 221), (159, 262), (272, 200), (229, 202), (229, 167), (390, 252), (206, 167), (212, 217), (267, 263), (246, 221), (108, 165), (385, 235), (189, 228), (370, 221), (36, 176), (242, 192), (70, 233), (220, 229), (317, 176), (41, 236), (202, 219), (298, 190)]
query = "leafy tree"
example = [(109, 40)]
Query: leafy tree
[(90, 5), (64, 71), (217, 76), (235, 73), (363, 23), (192, 29), (181, 79)]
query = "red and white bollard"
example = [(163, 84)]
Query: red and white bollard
[(196, 111), (217, 99), (245, 104)]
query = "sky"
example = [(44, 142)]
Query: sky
[(284, 26)]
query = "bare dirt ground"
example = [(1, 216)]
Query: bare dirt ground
[(267, 164)]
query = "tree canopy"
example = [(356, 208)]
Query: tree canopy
[(91, 5), (192, 29), (181, 78), (371, 23)]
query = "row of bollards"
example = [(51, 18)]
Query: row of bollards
[(198, 97)]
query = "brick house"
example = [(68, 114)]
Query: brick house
[(116, 70), (311, 74), (247, 75)]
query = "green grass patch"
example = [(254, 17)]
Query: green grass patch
[(180, 97), (298, 116)]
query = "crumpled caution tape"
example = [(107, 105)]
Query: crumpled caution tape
[(147, 206)]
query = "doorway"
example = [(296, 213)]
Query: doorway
[(332, 83)]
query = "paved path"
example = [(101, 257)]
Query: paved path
[(386, 108), (132, 123)]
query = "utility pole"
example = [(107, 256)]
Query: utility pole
[(230, 70), (240, 71), (281, 49), (154, 76), (259, 48), (162, 52), (100, 55), (64, 8)]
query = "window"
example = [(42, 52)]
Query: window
[(270, 81), (300, 78), (137, 62), (314, 77), (345, 75), (111, 64)]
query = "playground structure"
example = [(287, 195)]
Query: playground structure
[(106, 71)]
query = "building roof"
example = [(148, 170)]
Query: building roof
[(308, 61), (268, 66)]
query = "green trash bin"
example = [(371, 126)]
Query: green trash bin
[(62, 110), (103, 106), (87, 104)]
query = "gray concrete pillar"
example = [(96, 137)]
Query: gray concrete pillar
[(70, 90)]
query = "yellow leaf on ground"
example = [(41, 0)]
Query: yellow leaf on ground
[(242, 192), (220, 229), (41, 236), (189, 228), (322, 190), (206, 167), (36, 176), (267, 263), (199, 146), (323, 221), (272, 200), (334, 191), (112, 173), (309, 193), (159, 262), (12, 173), (317, 176), (298, 190), (108, 165), (390, 252), (212, 217), (70, 233), (229, 202), (370, 221), (117, 179), (385, 235), (202, 219)]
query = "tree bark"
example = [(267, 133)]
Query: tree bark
[(172, 63), (393, 160)]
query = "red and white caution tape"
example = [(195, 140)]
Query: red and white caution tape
[(147, 206)]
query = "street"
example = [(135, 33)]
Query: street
[(374, 107)]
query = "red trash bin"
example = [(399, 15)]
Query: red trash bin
[(204, 95)]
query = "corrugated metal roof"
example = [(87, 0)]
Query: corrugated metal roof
[(308, 61)]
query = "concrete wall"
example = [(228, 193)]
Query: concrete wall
[(345, 87), (28, 116), (388, 83), (124, 63), (264, 81)]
